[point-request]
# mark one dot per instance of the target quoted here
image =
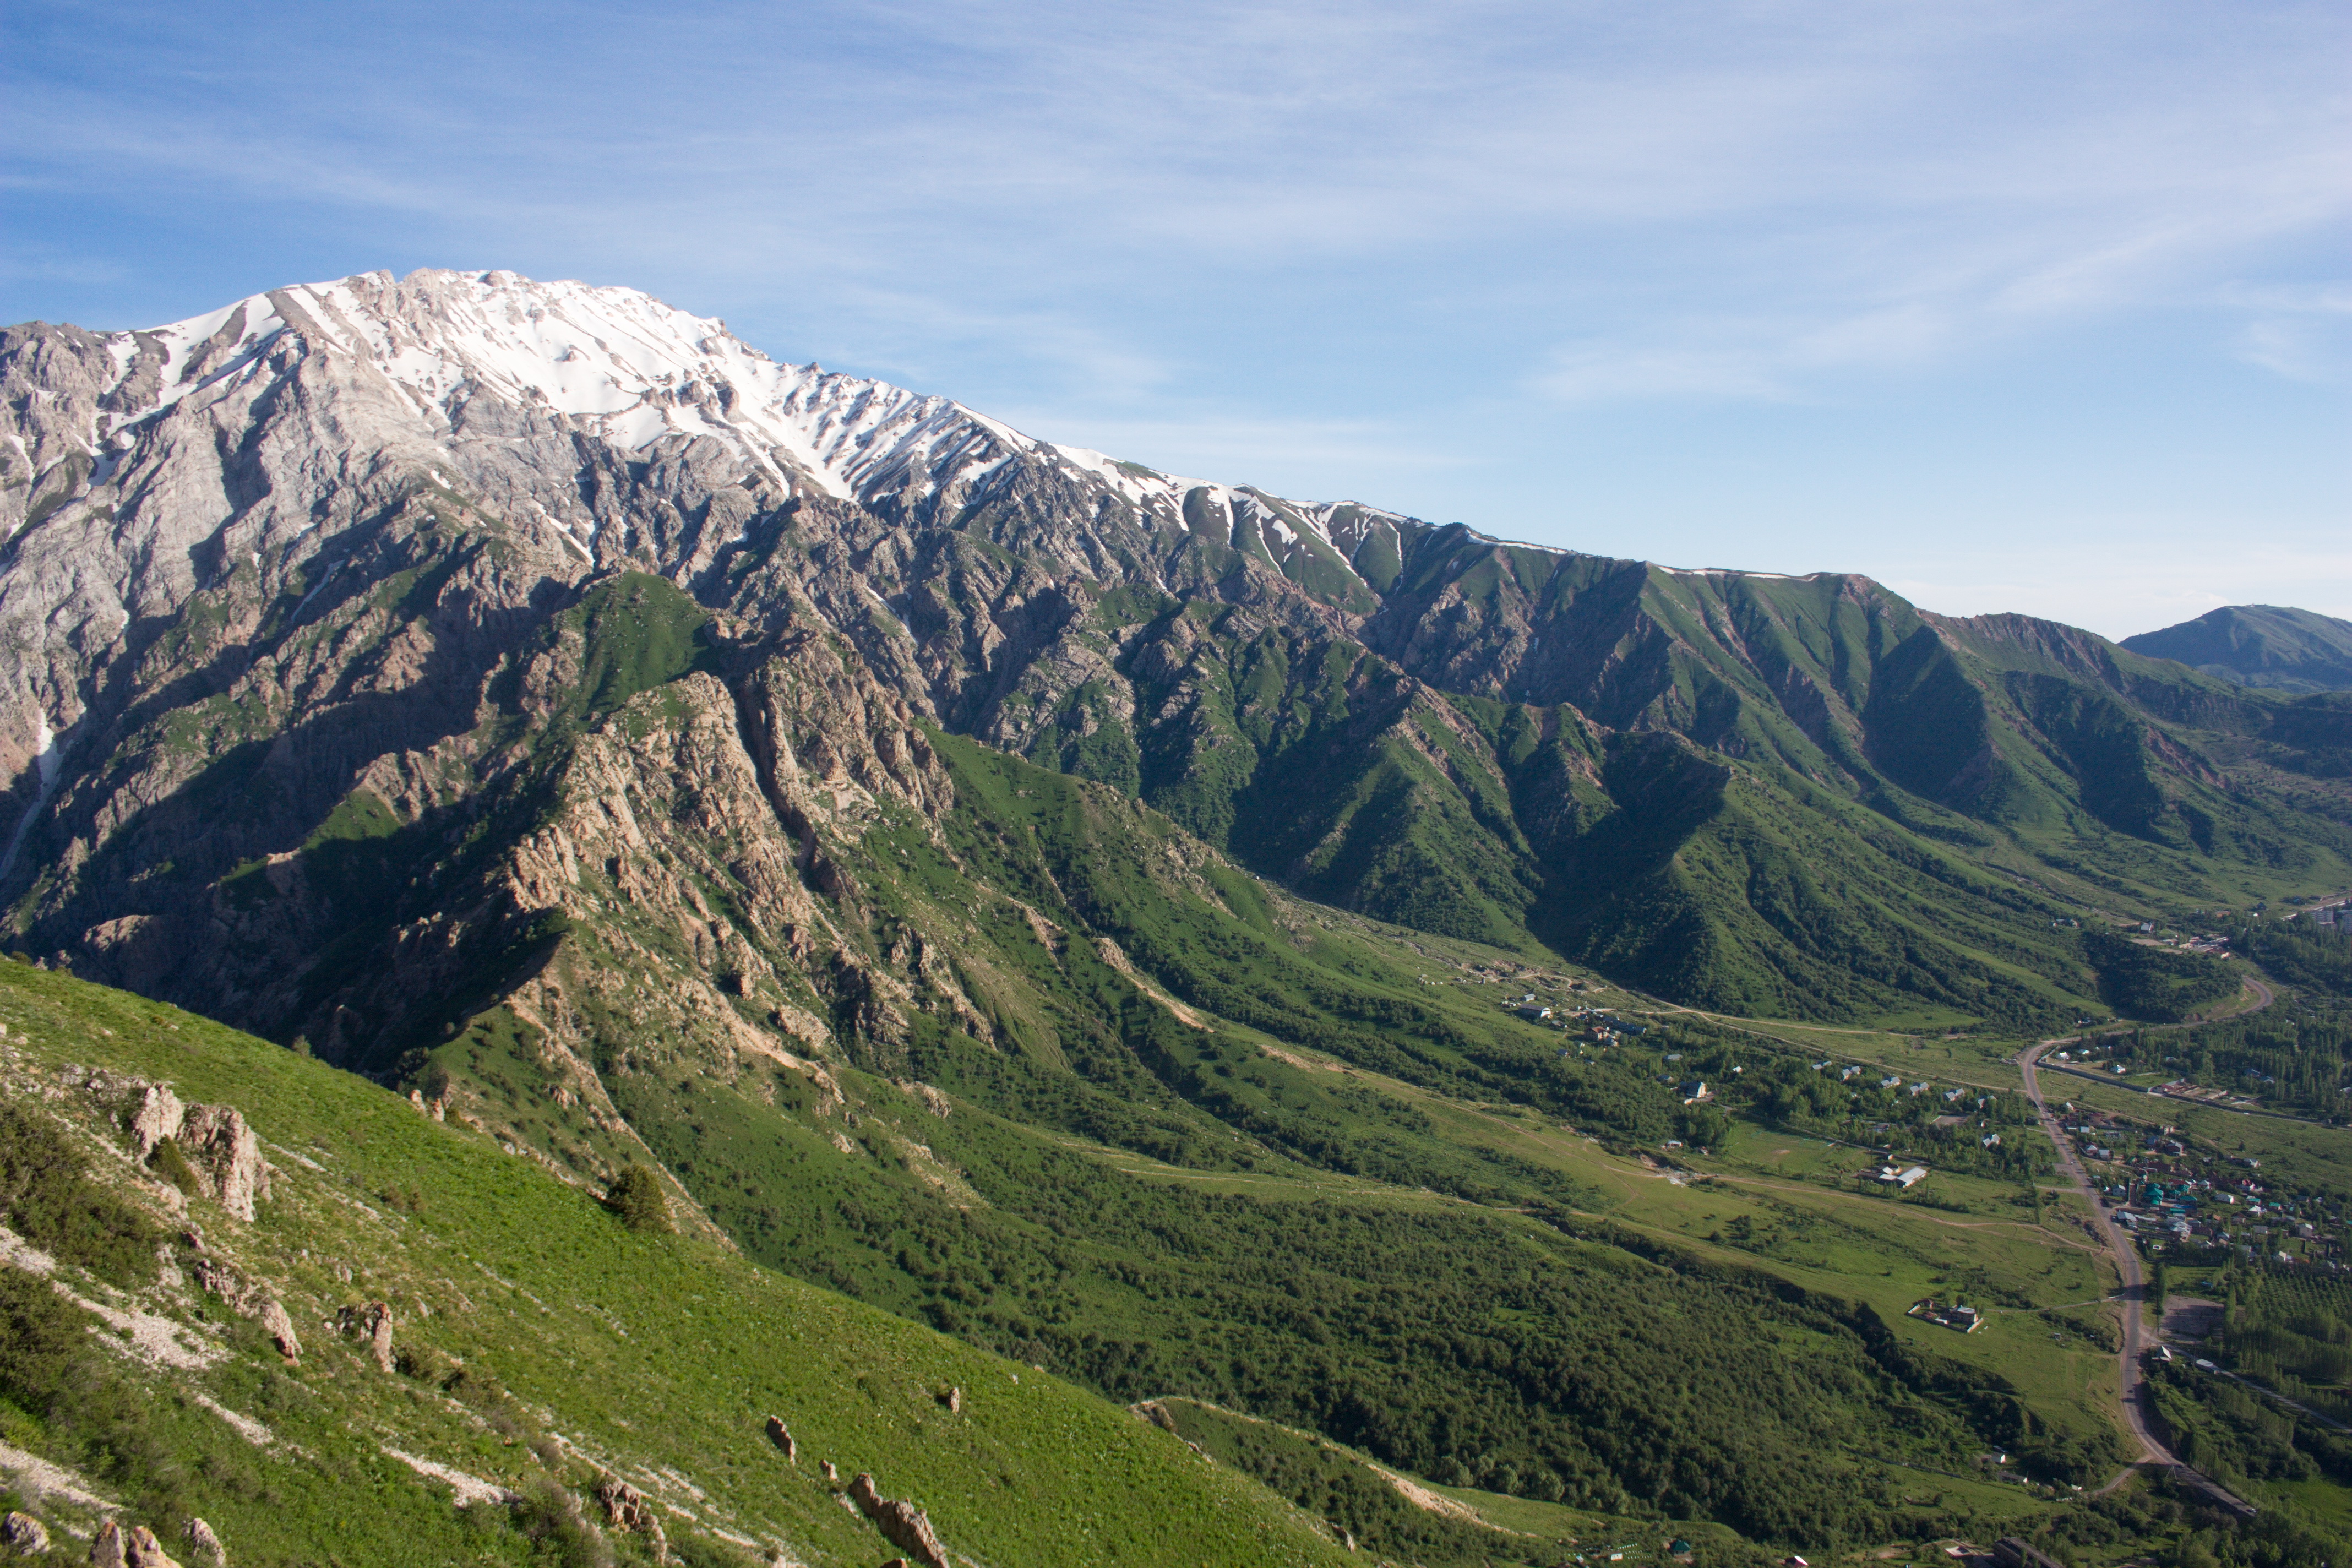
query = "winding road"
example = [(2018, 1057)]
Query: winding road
[(2129, 1384)]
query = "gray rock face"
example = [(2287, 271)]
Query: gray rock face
[(159, 1116), (227, 1154)]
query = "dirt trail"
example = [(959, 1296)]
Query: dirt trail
[(2129, 1384)]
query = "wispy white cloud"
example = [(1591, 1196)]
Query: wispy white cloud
[(1423, 245), (2303, 334)]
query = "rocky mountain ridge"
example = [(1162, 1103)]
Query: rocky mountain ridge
[(344, 570)]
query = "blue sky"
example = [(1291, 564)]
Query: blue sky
[(2041, 307)]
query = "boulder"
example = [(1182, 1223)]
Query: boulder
[(24, 1535), (781, 1437), (625, 1509), (157, 1116), (227, 1153), (218, 1279), (902, 1524), (115, 1548), (279, 1327), (202, 1539), (373, 1324), (624, 1505), (831, 1475), (142, 1550)]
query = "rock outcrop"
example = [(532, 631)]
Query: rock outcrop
[(114, 1547), (373, 1324), (781, 1437), (23, 1534), (222, 1151), (902, 1524), (158, 1115), (626, 1510), (202, 1538), (278, 1324), (227, 1154)]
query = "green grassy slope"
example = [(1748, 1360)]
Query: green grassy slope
[(1205, 1146), (544, 1342)]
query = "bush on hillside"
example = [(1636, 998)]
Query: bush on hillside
[(48, 1200), (637, 1196), (41, 1340), (168, 1163)]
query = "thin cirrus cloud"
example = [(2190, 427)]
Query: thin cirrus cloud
[(1420, 255), (2303, 334)]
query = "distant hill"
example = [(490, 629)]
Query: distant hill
[(2259, 645)]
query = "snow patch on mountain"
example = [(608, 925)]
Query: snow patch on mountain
[(621, 367)]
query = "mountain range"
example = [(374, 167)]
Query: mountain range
[(873, 819), (336, 560)]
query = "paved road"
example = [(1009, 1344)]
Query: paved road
[(2134, 1394)]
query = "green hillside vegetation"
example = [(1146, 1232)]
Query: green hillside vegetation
[(2164, 985), (2284, 1335), (2315, 960), (541, 1344), (1732, 845), (2259, 645), (1337, 1483), (1450, 1341), (2297, 1061)]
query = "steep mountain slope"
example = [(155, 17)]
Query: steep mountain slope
[(579, 1390), (2259, 645)]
